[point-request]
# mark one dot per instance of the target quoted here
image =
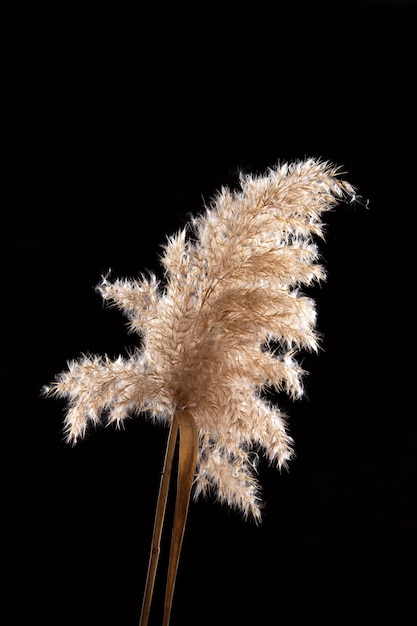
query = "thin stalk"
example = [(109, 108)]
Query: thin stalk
[(159, 520), (183, 422), (186, 471)]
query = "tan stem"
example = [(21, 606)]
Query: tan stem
[(186, 471), (159, 520), (183, 422)]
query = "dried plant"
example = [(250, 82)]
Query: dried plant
[(226, 324)]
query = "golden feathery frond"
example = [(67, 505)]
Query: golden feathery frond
[(232, 287)]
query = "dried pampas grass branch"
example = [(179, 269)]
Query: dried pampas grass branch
[(226, 324)]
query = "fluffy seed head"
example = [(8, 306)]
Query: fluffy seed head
[(232, 288)]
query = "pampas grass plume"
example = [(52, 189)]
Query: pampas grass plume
[(225, 324)]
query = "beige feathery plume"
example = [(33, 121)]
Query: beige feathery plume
[(231, 289)]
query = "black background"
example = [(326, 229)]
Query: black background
[(112, 135)]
